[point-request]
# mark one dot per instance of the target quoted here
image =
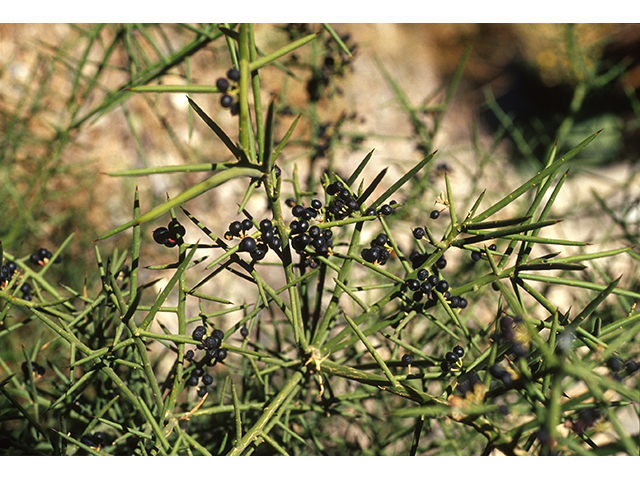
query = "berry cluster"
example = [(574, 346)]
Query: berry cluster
[(344, 204), (615, 364), (94, 440), (214, 353), (379, 251), (453, 359), (304, 235), (38, 370), (171, 235), (501, 374), (6, 272), (42, 257), (229, 87), (426, 284), (257, 249), (510, 333)]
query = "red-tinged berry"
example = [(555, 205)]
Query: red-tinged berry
[(407, 359), (222, 84), (434, 214), (418, 233), (248, 244), (233, 74)]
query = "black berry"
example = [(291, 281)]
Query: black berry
[(265, 225), (475, 256), (226, 101), (442, 286), (198, 333), (459, 351), (451, 357), (413, 284), (386, 210), (222, 354), (247, 244), (407, 359), (235, 228), (233, 74), (418, 233), (614, 364), (434, 214), (222, 84), (317, 204), (244, 331)]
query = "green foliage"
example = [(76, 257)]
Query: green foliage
[(321, 344)]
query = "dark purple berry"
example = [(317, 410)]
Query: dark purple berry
[(425, 287), (189, 354), (222, 354), (407, 359), (614, 364), (217, 333), (370, 212), (244, 331), (222, 84), (211, 342), (297, 210), (265, 225), (434, 214), (207, 379), (198, 333), (233, 74), (247, 224), (632, 366), (176, 228), (247, 244), (226, 101), (386, 209), (413, 284), (442, 286), (475, 256), (463, 303), (161, 235), (418, 233), (423, 274), (235, 228), (451, 357), (193, 381)]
